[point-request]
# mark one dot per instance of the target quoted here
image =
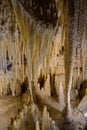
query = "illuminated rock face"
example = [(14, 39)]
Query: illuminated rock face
[(43, 62)]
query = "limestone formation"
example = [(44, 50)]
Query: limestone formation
[(43, 62)]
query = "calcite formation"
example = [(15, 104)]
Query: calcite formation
[(43, 64)]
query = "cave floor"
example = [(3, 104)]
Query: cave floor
[(8, 109), (54, 114)]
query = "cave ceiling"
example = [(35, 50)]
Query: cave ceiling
[(44, 11)]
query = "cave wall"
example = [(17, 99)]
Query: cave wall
[(12, 51)]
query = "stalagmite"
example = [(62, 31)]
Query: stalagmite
[(54, 126), (45, 119), (35, 113), (47, 122), (37, 125)]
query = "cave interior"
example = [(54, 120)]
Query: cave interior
[(43, 65)]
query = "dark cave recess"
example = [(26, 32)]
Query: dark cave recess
[(43, 10)]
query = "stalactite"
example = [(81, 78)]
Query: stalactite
[(28, 27), (47, 88)]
